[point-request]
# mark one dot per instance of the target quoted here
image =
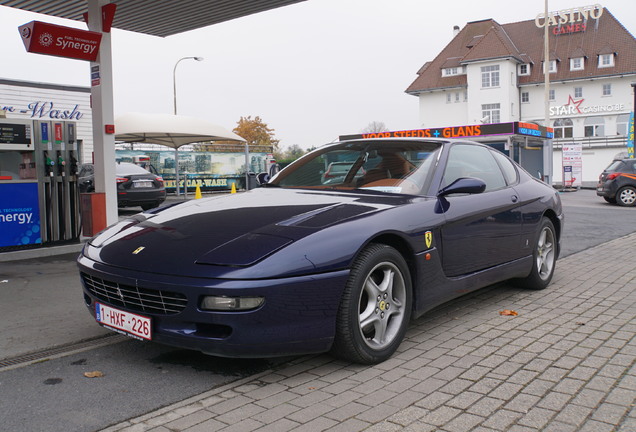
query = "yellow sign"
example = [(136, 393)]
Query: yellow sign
[(428, 237), (139, 249)]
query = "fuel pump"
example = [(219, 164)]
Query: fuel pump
[(57, 155)]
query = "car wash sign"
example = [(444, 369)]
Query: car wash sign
[(50, 39)]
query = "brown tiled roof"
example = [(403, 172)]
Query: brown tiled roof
[(523, 42)]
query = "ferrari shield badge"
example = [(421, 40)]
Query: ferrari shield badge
[(428, 237)]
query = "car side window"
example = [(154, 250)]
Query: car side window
[(473, 161), (507, 167)]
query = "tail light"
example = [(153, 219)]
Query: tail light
[(612, 176), (121, 180), (159, 179)]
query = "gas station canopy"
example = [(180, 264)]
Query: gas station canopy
[(156, 17)]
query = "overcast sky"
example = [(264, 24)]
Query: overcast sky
[(311, 71)]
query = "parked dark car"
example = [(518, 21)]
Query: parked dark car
[(297, 266), (617, 183), (135, 185)]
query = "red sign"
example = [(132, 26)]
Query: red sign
[(50, 39), (58, 132)]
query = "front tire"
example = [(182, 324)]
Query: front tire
[(375, 308), (626, 196), (543, 258)]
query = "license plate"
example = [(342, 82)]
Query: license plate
[(142, 184), (127, 323)]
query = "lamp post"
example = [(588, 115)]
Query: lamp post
[(176, 150)]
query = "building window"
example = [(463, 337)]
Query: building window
[(525, 97), (552, 95), (490, 76), (607, 89), (594, 127), (524, 69), (576, 63), (465, 96), (448, 97), (552, 66), (578, 92), (456, 97), (605, 60), (491, 113), (563, 128), (622, 120), (450, 71)]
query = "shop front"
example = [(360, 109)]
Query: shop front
[(522, 142)]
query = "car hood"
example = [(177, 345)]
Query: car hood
[(236, 230)]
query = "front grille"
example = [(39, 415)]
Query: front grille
[(135, 298)]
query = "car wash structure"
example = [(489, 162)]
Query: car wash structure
[(522, 142), (39, 198)]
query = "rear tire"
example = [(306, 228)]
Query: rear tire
[(543, 258), (626, 196), (375, 308)]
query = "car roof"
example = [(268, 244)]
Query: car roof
[(129, 168)]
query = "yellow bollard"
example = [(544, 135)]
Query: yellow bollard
[(233, 188), (197, 194)]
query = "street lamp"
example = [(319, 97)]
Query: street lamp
[(174, 88)]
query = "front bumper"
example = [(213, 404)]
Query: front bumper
[(298, 315)]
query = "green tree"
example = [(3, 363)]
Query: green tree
[(289, 154), (256, 132)]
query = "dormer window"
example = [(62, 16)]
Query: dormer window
[(605, 60), (452, 71), (577, 63), (524, 69), (552, 66)]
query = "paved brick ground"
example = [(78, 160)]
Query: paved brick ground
[(565, 363)]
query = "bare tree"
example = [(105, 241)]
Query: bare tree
[(375, 127)]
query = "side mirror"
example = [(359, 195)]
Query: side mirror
[(464, 185), (262, 178)]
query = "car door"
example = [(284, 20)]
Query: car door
[(480, 230)]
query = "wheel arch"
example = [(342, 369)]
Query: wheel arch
[(556, 222), (402, 245)]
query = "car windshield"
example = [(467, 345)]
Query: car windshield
[(385, 166)]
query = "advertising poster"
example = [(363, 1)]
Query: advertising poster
[(572, 164), (19, 214), (630, 136), (208, 170)]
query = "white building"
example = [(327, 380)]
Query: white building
[(42, 101), (493, 73)]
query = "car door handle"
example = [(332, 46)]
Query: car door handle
[(514, 198)]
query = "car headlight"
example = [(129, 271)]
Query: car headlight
[(231, 304)]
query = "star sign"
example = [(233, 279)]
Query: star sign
[(576, 104)]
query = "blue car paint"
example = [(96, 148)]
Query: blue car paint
[(307, 242)]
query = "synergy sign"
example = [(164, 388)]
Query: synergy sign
[(43, 38), (569, 20), (19, 218)]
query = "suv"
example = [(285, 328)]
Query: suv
[(617, 183)]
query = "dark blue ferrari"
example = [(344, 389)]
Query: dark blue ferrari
[(301, 266)]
